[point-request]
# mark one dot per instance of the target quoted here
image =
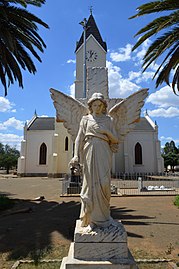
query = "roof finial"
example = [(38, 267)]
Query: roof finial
[(91, 9)]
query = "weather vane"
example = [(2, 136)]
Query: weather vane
[(91, 9)]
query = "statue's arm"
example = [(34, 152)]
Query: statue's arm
[(111, 133), (112, 137), (78, 142)]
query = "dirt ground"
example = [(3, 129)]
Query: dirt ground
[(34, 228)]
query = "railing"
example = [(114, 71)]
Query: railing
[(71, 186), (131, 184), (145, 183)]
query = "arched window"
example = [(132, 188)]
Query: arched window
[(66, 143), (43, 154), (138, 153)]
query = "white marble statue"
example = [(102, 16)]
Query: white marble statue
[(98, 133)]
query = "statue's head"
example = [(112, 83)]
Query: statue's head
[(97, 96)]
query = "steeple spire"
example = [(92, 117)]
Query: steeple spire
[(92, 29), (91, 10)]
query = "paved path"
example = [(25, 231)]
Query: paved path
[(152, 223), (31, 187)]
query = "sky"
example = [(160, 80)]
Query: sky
[(57, 69)]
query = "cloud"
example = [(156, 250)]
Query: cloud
[(71, 61), (140, 52), (72, 90), (164, 98), (123, 54), (168, 139), (44, 116), (6, 105), (139, 77), (165, 113), (12, 123), (119, 86), (11, 139)]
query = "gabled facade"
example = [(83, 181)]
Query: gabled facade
[(140, 152), (47, 148)]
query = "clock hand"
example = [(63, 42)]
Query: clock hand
[(91, 54)]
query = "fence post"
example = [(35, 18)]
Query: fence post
[(140, 183)]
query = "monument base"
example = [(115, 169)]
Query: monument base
[(102, 248), (74, 188)]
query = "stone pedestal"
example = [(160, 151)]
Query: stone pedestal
[(74, 188), (99, 249)]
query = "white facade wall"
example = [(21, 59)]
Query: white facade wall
[(148, 144), (60, 158), (34, 140), (152, 162), (91, 44)]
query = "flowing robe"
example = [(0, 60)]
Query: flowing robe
[(97, 162)]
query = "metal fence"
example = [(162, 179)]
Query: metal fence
[(131, 184)]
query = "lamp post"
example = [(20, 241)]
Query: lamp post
[(84, 23)]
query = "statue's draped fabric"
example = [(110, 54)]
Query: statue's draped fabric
[(97, 159)]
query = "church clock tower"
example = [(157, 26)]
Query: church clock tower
[(96, 50)]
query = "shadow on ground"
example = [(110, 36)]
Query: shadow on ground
[(126, 218), (29, 226)]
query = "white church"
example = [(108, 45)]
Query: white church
[(47, 147)]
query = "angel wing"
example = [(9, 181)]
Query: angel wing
[(69, 111), (127, 112)]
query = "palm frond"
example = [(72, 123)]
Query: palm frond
[(160, 23), (143, 38), (24, 3), (19, 35), (156, 6), (175, 81), (3, 78), (166, 45), (160, 46)]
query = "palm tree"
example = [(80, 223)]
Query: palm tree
[(166, 44), (18, 37)]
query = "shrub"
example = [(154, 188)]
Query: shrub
[(5, 202), (176, 202)]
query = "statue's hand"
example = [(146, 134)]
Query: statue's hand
[(103, 131), (74, 161), (113, 139)]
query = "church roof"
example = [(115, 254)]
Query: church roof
[(48, 123), (42, 123), (92, 29), (143, 125)]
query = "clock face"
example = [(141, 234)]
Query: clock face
[(91, 55)]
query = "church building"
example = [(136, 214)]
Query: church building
[(47, 147)]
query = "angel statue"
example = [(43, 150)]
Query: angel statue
[(98, 133)]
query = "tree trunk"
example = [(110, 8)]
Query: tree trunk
[(7, 170)]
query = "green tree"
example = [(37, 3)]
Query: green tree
[(8, 157), (170, 155), (18, 37), (166, 44)]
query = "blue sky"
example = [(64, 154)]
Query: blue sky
[(58, 66)]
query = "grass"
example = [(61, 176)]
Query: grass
[(176, 202), (55, 265), (37, 256), (160, 265), (5, 202), (49, 265)]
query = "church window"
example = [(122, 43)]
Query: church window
[(138, 153), (43, 154), (66, 143)]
